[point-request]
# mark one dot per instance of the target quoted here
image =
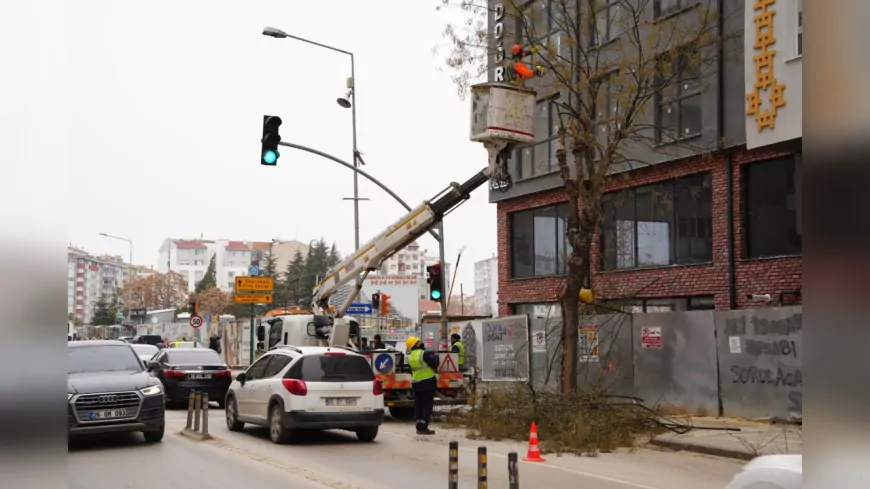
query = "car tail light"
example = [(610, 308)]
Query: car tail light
[(173, 373), (223, 373), (295, 387), (377, 387), (334, 352)]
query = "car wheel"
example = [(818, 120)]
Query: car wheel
[(222, 403), (232, 412), (156, 435), (278, 433), (367, 434)]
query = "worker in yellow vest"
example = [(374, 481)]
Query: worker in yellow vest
[(424, 365), (458, 347)]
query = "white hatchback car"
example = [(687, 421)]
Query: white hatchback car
[(307, 388), (770, 472)]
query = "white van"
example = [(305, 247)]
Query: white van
[(70, 331)]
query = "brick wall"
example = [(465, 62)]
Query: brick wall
[(757, 276)]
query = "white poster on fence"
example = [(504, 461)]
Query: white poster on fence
[(588, 351)]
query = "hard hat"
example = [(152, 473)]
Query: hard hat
[(411, 342)]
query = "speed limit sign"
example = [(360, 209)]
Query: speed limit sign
[(195, 321)]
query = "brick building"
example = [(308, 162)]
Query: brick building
[(730, 227)]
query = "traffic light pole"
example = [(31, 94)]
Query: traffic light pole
[(443, 279)]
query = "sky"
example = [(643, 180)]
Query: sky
[(165, 105)]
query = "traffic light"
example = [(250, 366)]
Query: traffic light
[(385, 304), (435, 281), (376, 301), (269, 154), (194, 306)]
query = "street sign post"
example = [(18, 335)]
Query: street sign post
[(252, 298), (360, 308), (259, 284), (195, 321), (253, 270)]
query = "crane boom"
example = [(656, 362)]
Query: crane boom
[(398, 235)]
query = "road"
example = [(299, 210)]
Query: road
[(396, 460)]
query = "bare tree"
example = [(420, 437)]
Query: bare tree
[(214, 301), (613, 71), (160, 291)]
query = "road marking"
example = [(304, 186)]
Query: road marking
[(563, 469)]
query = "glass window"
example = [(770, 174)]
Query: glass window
[(276, 365), (540, 158), (607, 22), (332, 368), (257, 370), (194, 356), (276, 328), (665, 7), (678, 108), (667, 223), (538, 241), (771, 208), (112, 358)]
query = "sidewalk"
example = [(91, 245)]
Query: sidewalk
[(753, 438)]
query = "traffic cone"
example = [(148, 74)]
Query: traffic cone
[(534, 454)]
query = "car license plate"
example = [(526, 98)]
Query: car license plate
[(340, 401), (199, 376), (108, 414)]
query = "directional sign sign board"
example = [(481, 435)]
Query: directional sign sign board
[(195, 321), (265, 284), (252, 298), (253, 270), (384, 363), (360, 308)]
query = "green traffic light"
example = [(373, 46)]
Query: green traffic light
[(436, 294), (270, 157)]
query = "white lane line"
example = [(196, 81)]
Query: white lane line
[(563, 469)]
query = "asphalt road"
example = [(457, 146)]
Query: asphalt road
[(397, 459)]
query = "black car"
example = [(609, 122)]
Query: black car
[(149, 339), (109, 390), (184, 369)]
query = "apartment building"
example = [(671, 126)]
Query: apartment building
[(413, 260), (91, 278), (486, 287), (732, 224)]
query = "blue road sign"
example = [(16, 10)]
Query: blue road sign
[(384, 363), (253, 270), (360, 308)]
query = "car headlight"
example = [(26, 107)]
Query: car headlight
[(152, 390), (68, 396)]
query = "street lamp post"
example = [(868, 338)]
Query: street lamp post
[(349, 102), (129, 267)]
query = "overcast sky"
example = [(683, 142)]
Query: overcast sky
[(166, 100)]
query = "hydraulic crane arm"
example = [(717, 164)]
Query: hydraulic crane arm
[(401, 233)]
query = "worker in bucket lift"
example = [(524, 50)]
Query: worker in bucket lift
[(459, 348), (424, 365)]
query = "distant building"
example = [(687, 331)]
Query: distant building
[(486, 287), (91, 278), (413, 261)]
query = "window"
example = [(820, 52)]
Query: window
[(332, 368), (665, 7), (277, 365), (198, 263), (606, 24), (257, 370), (678, 108), (540, 27), (199, 252), (800, 27), (667, 223), (771, 208), (538, 242), (540, 158), (606, 111), (667, 304)]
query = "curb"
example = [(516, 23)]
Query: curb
[(703, 449)]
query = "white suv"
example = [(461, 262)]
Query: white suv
[(307, 388)]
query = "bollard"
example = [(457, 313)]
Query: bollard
[(453, 466), (205, 413), (513, 472), (481, 467), (190, 410), (198, 411)]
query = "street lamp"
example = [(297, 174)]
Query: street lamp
[(129, 266), (348, 102)]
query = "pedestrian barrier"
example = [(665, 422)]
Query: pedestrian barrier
[(482, 468), (197, 416)]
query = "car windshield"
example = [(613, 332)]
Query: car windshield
[(194, 357), (103, 358), (336, 368)]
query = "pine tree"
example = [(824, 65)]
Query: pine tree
[(209, 280), (334, 256), (469, 339), (102, 314), (293, 278), (270, 265)]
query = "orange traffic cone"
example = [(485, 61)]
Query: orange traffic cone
[(534, 452)]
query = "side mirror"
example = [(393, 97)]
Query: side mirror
[(151, 365), (241, 377), (261, 333)]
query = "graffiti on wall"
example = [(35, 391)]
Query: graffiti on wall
[(765, 355)]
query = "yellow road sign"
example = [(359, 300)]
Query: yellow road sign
[(252, 298), (255, 283)]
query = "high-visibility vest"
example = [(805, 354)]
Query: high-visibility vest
[(420, 370), (461, 352)]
